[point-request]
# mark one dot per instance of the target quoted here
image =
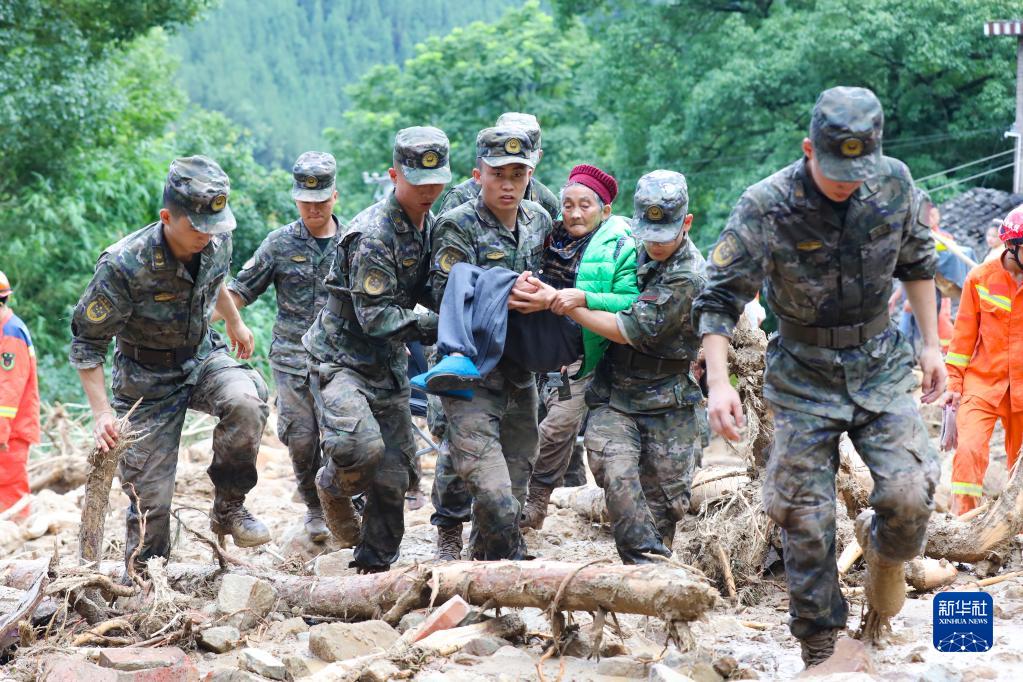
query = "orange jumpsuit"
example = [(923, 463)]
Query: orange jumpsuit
[(984, 369), (19, 406)]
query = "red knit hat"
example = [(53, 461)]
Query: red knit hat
[(600, 182)]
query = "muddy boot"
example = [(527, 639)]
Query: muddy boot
[(449, 543), (885, 586), (230, 517), (315, 526), (818, 647), (535, 510), (339, 515)]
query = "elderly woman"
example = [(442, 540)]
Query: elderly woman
[(589, 255)]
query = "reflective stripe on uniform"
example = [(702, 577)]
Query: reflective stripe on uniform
[(1002, 302), (971, 489), (957, 359), (7, 411)]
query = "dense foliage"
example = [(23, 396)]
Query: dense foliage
[(280, 67), (93, 104)]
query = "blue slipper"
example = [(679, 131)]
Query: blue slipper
[(419, 382), (452, 373)]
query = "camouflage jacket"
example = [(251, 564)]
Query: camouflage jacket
[(536, 192), (470, 233), (381, 268), (658, 325), (823, 272), (143, 295), (291, 260)]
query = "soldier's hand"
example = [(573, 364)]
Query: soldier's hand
[(242, 340), (935, 375), (724, 410), (105, 431), (522, 284), (523, 301), (568, 299)]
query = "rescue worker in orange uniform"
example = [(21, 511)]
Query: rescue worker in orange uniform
[(985, 376), (19, 401)]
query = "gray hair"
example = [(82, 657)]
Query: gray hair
[(561, 194)]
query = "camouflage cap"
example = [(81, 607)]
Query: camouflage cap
[(661, 204), (199, 185), (314, 177), (423, 153), (845, 132), (527, 122), (505, 145)]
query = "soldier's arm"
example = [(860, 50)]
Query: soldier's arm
[(100, 315), (451, 245), (255, 276), (918, 257), (374, 291), (735, 272), (241, 337), (661, 312)]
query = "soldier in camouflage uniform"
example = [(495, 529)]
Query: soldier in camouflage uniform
[(493, 438), (828, 233), (643, 436), (358, 361), (296, 259), (155, 290), (536, 191)]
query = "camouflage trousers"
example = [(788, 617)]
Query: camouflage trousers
[(492, 444), (645, 464), (368, 447), (558, 431), (799, 494), (298, 430), (233, 393)]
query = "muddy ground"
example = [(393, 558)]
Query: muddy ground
[(755, 635)]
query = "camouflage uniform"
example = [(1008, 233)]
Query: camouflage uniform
[(643, 436), (493, 438), (291, 259), (838, 363), (167, 355), (358, 359)]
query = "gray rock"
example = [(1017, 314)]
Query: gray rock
[(379, 671), (484, 646), (704, 672), (514, 655), (244, 600), (287, 628), (220, 639), (262, 663), (662, 673), (622, 666), (297, 666), (334, 563), (229, 675), (341, 641), (411, 620)]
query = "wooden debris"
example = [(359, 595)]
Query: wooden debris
[(925, 574)]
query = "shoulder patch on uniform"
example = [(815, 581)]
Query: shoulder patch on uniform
[(164, 296), (159, 258), (495, 255), (99, 309), (727, 250), (880, 231), (7, 361), (409, 262), (374, 282), (448, 257), (810, 245), (299, 259)]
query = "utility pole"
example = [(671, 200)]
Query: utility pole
[(1014, 28)]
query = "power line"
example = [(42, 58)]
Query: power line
[(972, 177), (961, 166)]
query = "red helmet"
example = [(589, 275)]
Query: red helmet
[(1011, 231), (5, 286)]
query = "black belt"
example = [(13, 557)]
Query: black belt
[(628, 357), (342, 308), (171, 357), (845, 336)]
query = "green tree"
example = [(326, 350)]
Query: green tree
[(462, 83)]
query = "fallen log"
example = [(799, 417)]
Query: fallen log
[(987, 536), (925, 574), (665, 591), (853, 482), (587, 501), (10, 624)]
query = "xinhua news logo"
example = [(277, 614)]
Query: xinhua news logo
[(963, 621)]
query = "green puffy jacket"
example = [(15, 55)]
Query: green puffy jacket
[(607, 273)]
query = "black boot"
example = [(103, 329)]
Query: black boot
[(449, 543), (818, 647), (315, 526)]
